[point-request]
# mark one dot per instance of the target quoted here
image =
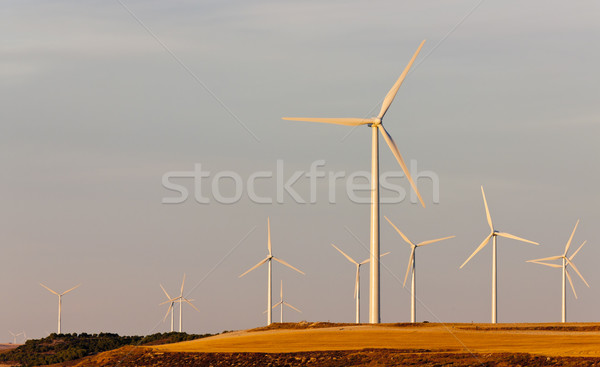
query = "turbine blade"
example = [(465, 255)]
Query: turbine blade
[(547, 264), (288, 265), (508, 235), (348, 121), (166, 294), (389, 98), (172, 300), (65, 292), (182, 283), (399, 231), (485, 242), (545, 259), (410, 261), (255, 266), (369, 259), (576, 251), (433, 241), (275, 305), (191, 304), (343, 253), (487, 210), (269, 236), (49, 289), (394, 149), (292, 307), (577, 271), (571, 238), (281, 290), (168, 310), (571, 282)]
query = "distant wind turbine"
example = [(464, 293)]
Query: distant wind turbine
[(493, 234), (14, 336), (283, 303), (566, 261), (59, 301), (357, 283), (179, 299), (376, 124), (268, 260), (412, 268), (171, 307)]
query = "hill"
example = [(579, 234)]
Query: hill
[(333, 345)]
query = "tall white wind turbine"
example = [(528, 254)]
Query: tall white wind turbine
[(376, 124), (411, 268), (59, 301), (493, 234), (171, 308), (268, 260), (283, 303), (566, 261), (179, 299), (357, 283)]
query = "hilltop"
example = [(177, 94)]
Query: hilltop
[(333, 345)]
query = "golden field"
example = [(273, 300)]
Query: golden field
[(573, 340)]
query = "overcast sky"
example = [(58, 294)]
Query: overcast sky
[(100, 99)]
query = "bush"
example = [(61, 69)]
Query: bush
[(58, 348)]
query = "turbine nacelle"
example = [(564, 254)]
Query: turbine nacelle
[(376, 121)]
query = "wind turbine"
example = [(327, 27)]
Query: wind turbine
[(566, 261), (14, 336), (179, 299), (493, 234), (282, 303), (376, 124), (171, 307), (59, 301), (268, 260), (412, 268), (357, 284)]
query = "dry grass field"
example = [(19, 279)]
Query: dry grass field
[(572, 340), (341, 345)]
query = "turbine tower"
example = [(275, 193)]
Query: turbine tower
[(412, 268), (59, 301), (493, 234), (376, 124), (180, 299), (566, 261), (170, 309), (357, 284), (282, 303), (268, 260)]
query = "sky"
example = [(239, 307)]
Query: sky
[(102, 101)]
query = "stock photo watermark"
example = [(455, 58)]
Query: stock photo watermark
[(229, 187)]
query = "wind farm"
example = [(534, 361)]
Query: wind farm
[(145, 144)]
